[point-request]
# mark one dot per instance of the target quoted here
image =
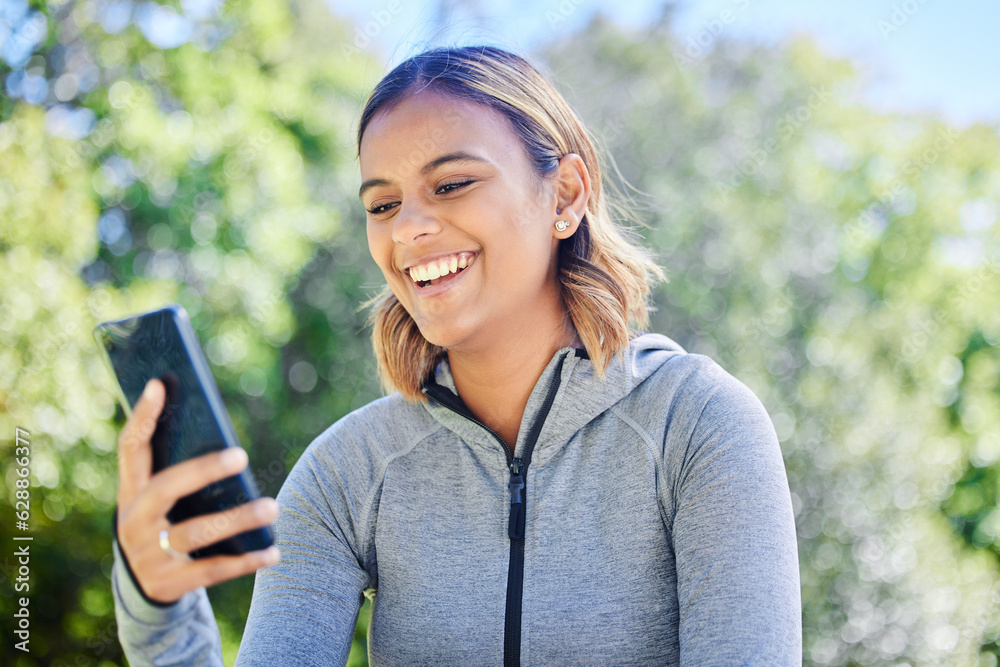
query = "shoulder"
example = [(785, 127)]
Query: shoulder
[(386, 424), (360, 445), (715, 393), (700, 412), (692, 388), (719, 447)]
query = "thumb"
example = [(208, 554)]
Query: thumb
[(135, 455)]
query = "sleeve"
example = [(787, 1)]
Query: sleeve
[(733, 533), (183, 633), (305, 607)]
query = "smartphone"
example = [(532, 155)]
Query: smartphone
[(162, 344)]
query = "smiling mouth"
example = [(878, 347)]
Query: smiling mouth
[(440, 270)]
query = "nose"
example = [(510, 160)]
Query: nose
[(413, 221)]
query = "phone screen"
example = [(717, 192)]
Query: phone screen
[(162, 344), (150, 346)]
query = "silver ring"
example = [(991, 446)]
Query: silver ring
[(167, 549)]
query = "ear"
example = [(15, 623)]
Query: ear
[(572, 194)]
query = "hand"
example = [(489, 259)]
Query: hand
[(144, 500)]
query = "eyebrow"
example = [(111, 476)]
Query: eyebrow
[(457, 156)]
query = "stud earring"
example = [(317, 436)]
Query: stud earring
[(562, 225)]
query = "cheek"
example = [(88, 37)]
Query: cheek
[(380, 248)]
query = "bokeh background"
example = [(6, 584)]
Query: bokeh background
[(836, 251)]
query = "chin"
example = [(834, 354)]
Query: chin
[(437, 338), (443, 336)]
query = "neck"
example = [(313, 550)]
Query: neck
[(496, 381)]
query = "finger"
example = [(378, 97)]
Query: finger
[(135, 456), (177, 481), (210, 571), (202, 531), (177, 577)]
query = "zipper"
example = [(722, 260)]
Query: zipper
[(518, 509)]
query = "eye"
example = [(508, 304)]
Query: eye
[(444, 189), (451, 187), (381, 208)]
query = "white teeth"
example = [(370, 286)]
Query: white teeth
[(439, 268)]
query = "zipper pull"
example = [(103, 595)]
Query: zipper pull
[(515, 525)]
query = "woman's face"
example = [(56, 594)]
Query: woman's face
[(458, 222)]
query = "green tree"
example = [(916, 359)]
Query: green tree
[(841, 262), (218, 173)]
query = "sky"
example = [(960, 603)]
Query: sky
[(927, 56)]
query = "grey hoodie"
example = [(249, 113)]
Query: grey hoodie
[(645, 519)]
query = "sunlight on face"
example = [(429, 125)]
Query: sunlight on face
[(458, 223)]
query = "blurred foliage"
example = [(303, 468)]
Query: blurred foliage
[(218, 174), (843, 263)]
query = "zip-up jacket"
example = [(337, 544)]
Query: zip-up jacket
[(643, 519)]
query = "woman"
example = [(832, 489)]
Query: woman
[(543, 486)]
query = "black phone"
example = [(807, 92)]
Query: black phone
[(162, 344)]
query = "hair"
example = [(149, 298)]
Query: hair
[(604, 276)]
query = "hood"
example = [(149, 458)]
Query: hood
[(581, 395)]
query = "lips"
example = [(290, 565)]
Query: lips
[(440, 269)]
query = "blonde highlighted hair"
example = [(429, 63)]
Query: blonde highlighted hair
[(604, 276)]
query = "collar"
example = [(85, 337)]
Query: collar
[(580, 397)]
